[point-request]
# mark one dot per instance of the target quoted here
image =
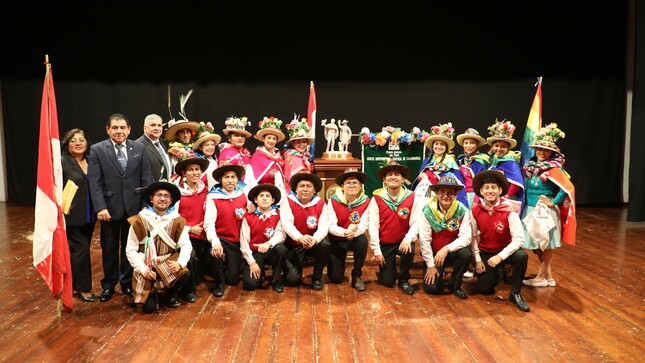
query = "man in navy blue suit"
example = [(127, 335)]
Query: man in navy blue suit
[(118, 170)]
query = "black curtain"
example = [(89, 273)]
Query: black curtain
[(589, 112), (636, 208), (413, 64)]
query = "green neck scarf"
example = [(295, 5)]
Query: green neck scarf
[(393, 205), (438, 220)]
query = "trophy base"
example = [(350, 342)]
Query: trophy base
[(337, 155)]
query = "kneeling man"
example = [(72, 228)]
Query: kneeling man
[(158, 247)]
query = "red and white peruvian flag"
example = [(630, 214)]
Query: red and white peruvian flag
[(51, 252), (311, 118)]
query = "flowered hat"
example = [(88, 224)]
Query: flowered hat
[(235, 124), (546, 138), (502, 131), (471, 133), (441, 132), (270, 125), (206, 132), (175, 126), (190, 159), (392, 165), (353, 173), (447, 181), (298, 130)]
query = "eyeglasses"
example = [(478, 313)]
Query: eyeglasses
[(77, 141), (163, 195), (352, 183)]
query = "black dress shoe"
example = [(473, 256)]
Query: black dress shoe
[(191, 297), (106, 295), (518, 300), (460, 293), (173, 302), (90, 298), (278, 286), (406, 287), (127, 291), (218, 291), (358, 283), (317, 285)]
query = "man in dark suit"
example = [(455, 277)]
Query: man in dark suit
[(160, 164), (118, 170)]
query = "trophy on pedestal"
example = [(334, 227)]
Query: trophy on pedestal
[(335, 131)]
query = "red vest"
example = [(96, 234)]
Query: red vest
[(192, 208), (345, 217), (495, 233), (261, 230), (394, 225), (443, 238), (305, 219), (229, 218)]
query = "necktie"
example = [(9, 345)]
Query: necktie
[(121, 156), (163, 157)]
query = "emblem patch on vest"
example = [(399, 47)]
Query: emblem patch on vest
[(239, 213), (354, 217), (499, 227), (312, 222), (404, 213), (452, 224), (269, 232)]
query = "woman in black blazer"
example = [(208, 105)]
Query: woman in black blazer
[(81, 219)]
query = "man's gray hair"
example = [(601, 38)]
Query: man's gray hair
[(151, 117)]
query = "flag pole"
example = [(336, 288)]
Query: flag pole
[(540, 120), (311, 118), (533, 124), (59, 301), (50, 248)]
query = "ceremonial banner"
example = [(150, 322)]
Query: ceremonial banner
[(391, 144), (311, 119), (50, 249), (533, 124)]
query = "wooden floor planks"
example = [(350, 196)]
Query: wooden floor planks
[(594, 314)]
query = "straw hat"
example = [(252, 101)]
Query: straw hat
[(441, 132), (235, 124), (270, 125), (502, 131), (299, 130), (546, 138), (171, 188), (471, 133), (478, 181), (206, 132), (175, 126)]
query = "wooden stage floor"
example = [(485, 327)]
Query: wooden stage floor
[(594, 314)]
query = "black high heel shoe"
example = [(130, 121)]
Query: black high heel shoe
[(91, 298)]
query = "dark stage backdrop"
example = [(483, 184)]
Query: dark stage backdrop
[(636, 209), (590, 113), (413, 64)]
